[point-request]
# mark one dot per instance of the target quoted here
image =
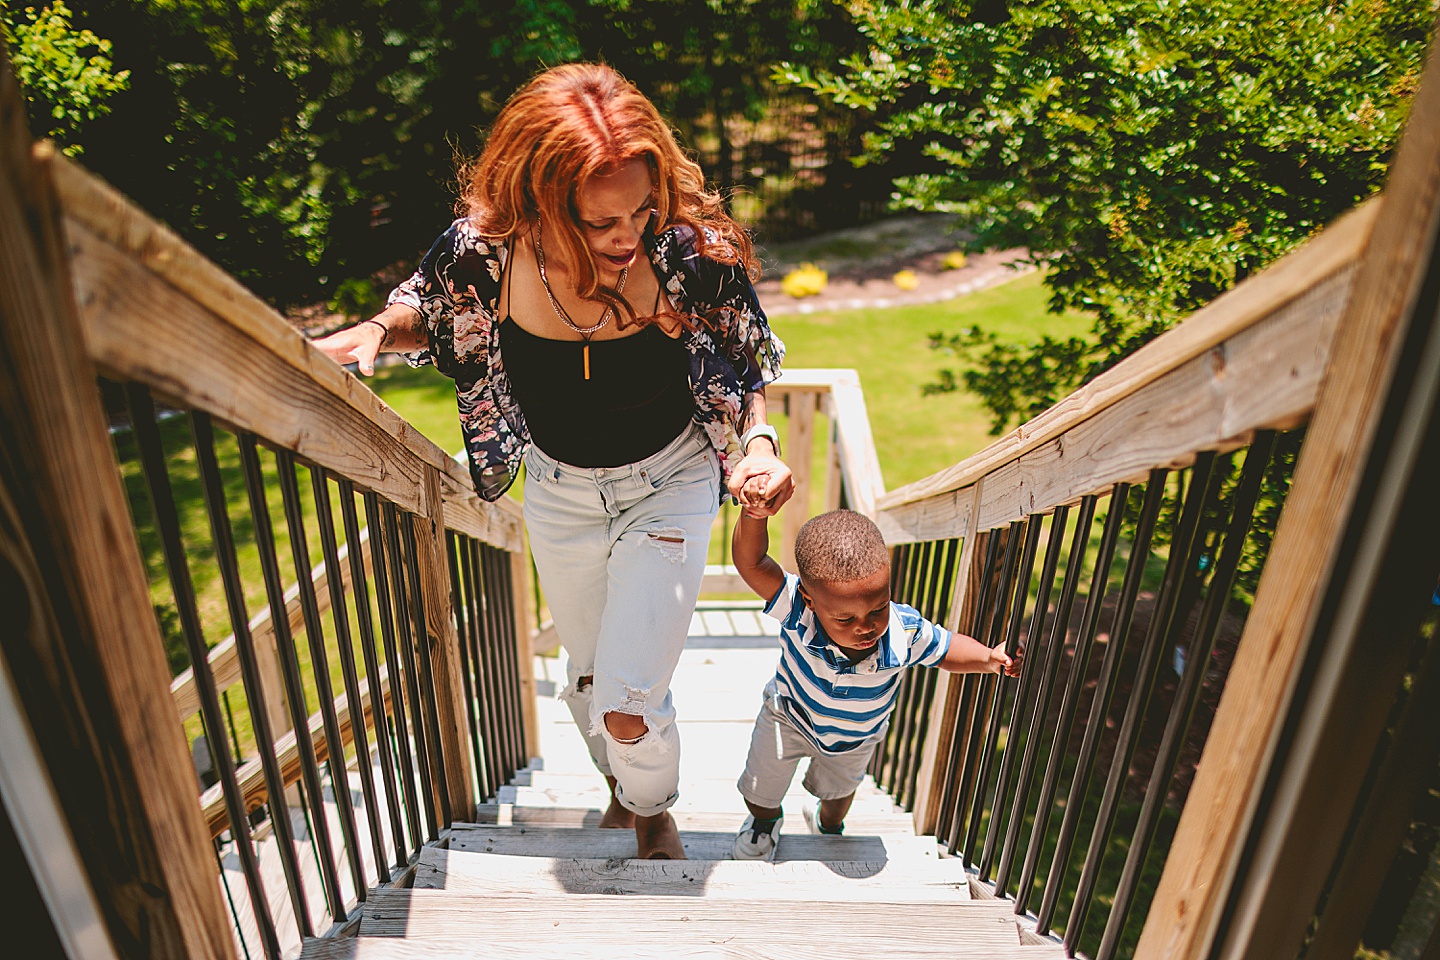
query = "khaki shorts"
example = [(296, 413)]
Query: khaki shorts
[(776, 749)]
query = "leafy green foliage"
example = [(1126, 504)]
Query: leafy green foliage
[(67, 74), (303, 143), (1150, 153)]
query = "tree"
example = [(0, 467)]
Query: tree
[(66, 74), (1151, 153)]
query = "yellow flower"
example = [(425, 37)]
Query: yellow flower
[(805, 281), (954, 260), (906, 280)]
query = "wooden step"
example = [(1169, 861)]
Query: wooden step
[(542, 947), (579, 918), (857, 823), (476, 873), (542, 778), (592, 843)]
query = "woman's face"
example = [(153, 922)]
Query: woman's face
[(613, 210)]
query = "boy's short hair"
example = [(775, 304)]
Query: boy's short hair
[(839, 546)]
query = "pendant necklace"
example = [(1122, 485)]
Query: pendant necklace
[(585, 332)]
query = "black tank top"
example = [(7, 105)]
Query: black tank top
[(636, 401)]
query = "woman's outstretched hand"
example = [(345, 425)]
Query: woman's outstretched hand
[(358, 345), (761, 483)]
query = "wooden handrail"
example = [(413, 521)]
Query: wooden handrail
[(241, 362), (1250, 360)]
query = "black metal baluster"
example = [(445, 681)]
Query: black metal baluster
[(909, 573), (1012, 639), (373, 682), (942, 582), (463, 626), (380, 563), (996, 689), (167, 522), (423, 652), (344, 642), (320, 667), (1197, 663), (1029, 703), (899, 558), (1162, 621), (1100, 706), (418, 740), (1048, 671), (249, 668), (497, 589), (976, 693), (933, 571), (947, 809), (484, 694), (289, 658)]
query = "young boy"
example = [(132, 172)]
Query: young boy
[(843, 645)]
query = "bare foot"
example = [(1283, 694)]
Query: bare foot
[(657, 838), (615, 816)]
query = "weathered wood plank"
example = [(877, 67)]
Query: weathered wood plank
[(859, 463), (81, 637), (802, 407), (938, 518), (711, 821), (1186, 915), (525, 663), (943, 881), (604, 948), (596, 844), (443, 650), (1333, 251), (418, 914), (1265, 376)]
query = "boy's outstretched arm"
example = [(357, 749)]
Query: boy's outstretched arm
[(747, 548), (968, 655)]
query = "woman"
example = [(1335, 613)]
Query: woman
[(594, 306)]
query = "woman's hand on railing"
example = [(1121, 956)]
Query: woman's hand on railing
[(396, 328), (359, 344), (761, 483)]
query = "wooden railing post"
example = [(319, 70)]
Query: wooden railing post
[(88, 658), (524, 655), (802, 406), (443, 651), (941, 732)]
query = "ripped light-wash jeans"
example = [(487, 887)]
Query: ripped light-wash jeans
[(621, 552)]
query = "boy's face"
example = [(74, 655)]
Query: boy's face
[(853, 613)]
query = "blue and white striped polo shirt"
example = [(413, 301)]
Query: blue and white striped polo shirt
[(836, 703)]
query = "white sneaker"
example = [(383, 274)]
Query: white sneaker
[(757, 842)]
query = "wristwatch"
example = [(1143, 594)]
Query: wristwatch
[(760, 430)]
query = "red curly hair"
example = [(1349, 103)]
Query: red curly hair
[(573, 122)]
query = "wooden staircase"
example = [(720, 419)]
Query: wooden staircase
[(538, 878)]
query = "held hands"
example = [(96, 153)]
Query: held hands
[(761, 483), (358, 344)]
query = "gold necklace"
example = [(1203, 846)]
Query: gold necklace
[(585, 332)]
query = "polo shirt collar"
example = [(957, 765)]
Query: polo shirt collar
[(889, 652)]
